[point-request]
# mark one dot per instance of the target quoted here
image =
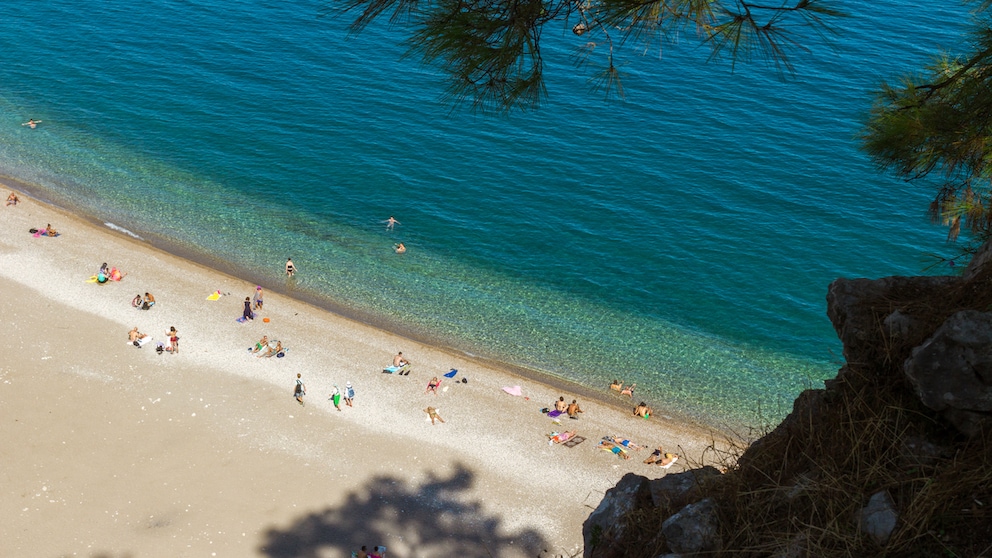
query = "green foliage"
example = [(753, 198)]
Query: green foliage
[(936, 128), (491, 49)]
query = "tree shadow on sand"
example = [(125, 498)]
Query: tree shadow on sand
[(425, 520)]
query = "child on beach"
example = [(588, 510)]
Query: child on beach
[(300, 390)]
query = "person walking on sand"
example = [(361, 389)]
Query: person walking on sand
[(248, 314), (300, 390), (336, 397), (390, 223), (432, 412), (349, 394), (290, 268), (574, 410)]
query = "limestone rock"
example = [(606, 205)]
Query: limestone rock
[(952, 371), (604, 525), (677, 490), (694, 529)]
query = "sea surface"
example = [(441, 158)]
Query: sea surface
[(682, 238)]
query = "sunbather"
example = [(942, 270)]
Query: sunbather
[(617, 385), (135, 335), (271, 348), (624, 442), (559, 437), (433, 385), (615, 449), (656, 455), (642, 410), (628, 391), (262, 343), (668, 460)]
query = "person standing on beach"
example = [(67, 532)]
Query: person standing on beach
[(247, 314), (300, 390), (336, 397), (290, 268), (257, 303), (349, 394), (173, 336)]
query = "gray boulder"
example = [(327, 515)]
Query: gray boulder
[(694, 529)]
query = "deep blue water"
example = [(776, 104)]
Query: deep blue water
[(683, 239)]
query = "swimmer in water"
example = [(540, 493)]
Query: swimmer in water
[(32, 123), (400, 248)]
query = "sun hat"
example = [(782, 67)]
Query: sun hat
[(347, 384)]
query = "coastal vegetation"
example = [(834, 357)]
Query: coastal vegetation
[(491, 49)]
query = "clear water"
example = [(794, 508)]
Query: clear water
[(683, 239)]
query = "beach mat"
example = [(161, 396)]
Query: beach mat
[(451, 374), (553, 414), (574, 441), (214, 296)]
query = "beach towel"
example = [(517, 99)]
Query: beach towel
[(670, 463), (515, 390), (141, 342), (241, 320), (574, 441), (451, 374), (392, 369), (214, 295), (553, 414)]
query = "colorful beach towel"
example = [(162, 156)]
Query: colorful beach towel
[(214, 295), (554, 414)]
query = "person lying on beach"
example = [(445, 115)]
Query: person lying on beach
[(628, 391), (262, 343), (615, 449), (642, 411), (271, 349), (432, 412), (135, 335), (624, 442), (12, 199), (573, 410), (617, 385), (656, 455), (560, 437), (433, 385)]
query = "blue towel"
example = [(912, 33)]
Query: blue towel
[(451, 374)]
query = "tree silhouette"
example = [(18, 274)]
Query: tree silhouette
[(425, 520)]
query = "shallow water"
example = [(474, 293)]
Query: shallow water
[(683, 239)]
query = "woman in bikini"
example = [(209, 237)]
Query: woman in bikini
[(173, 336)]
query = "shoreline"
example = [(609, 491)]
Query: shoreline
[(206, 453), (167, 247)]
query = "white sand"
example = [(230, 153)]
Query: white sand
[(112, 450)]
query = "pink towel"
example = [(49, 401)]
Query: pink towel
[(515, 390)]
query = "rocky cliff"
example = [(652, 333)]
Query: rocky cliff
[(893, 457)]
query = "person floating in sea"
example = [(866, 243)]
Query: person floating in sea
[(32, 123), (391, 222), (290, 268), (399, 248)]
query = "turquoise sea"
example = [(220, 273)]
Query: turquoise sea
[(682, 239)]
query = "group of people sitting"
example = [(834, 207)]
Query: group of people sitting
[(572, 409), (107, 273), (267, 348), (143, 303), (618, 386), (139, 339)]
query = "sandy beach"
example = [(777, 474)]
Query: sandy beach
[(110, 450)]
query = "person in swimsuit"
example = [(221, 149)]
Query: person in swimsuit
[(432, 385), (400, 248), (12, 199), (135, 335), (642, 410), (149, 301), (560, 405), (432, 412), (390, 223), (173, 336), (617, 385), (290, 268), (32, 123), (257, 302), (628, 391), (49, 231), (574, 410)]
